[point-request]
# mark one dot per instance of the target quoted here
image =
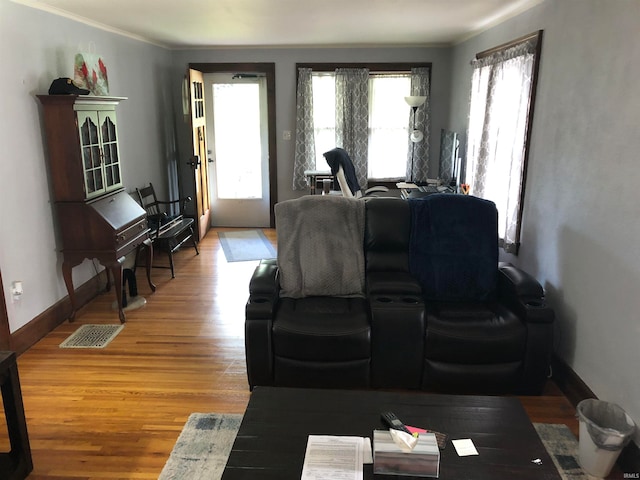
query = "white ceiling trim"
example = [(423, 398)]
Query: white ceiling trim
[(499, 18), (87, 21), (485, 21)]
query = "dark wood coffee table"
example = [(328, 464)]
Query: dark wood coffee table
[(273, 435)]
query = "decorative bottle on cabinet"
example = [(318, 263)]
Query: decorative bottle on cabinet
[(96, 217)]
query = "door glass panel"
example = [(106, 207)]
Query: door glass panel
[(107, 154), (238, 149), (91, 155), (110, 152), (108, 130), (86, 158), (98, 178), (108, 175), (116, 176), (91, 184), (95, 155)]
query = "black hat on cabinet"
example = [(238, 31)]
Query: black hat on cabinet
[(65, 86)]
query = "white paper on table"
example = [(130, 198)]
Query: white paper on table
[(367, 457), (408, 185), (334, 457), (465, 447)]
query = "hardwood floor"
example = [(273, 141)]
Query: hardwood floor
[(115, 413)]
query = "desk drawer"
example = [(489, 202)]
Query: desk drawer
[(134, 243), (128, 234), (130, 238)]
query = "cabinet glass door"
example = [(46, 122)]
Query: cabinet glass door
[(99, 145), (111, 162), (91, 153)]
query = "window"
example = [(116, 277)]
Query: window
[(388, 126), (382, 147), (500, 116), (324, 115), (388, 122)]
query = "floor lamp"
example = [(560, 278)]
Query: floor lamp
[(414, 101)]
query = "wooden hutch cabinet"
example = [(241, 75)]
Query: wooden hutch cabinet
[(97, 219)]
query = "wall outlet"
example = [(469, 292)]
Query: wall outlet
[(286, 135), (16, 289)]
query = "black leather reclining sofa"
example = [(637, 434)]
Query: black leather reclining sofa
[(440, 312)]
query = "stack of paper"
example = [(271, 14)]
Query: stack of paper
[(335, 457)]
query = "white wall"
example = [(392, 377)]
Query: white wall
[(581, 228), (285, 60), (35, 48)]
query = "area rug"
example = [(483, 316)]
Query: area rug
[(203, 447), (92, 336), (562, 447), (245, 245)]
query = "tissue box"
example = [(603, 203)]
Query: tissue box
[(390, 459)]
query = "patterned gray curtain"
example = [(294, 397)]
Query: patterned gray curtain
[(419, 151), (305, 155), (352, 117)]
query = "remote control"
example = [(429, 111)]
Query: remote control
[(394, 422)]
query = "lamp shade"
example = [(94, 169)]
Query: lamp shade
[(416, 136), (415, 100)]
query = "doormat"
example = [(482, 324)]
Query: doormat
[(92, 336), (246, 245), (206, 440)]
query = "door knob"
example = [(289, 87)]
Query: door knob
[(194, 162)]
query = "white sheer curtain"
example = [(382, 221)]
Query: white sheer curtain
[(498, 121)]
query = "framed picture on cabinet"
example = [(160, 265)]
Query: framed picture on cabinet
[(90, 72)]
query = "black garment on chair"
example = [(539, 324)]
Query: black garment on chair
[(338, 157)]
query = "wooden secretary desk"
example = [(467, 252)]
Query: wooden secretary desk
[(97, 219)]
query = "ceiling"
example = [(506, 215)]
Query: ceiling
[(299, 23)]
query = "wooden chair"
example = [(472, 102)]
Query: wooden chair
[(169, 231)]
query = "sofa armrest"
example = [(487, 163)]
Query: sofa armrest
[(523, 294), (264, 280), (264, 292)]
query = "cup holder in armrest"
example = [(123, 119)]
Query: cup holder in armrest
[(384, 300), (403, 300), (410, 300), (535, 304), (260, 300)]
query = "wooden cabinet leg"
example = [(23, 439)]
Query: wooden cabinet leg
[(67, 268), (149, 244), (116, 270)]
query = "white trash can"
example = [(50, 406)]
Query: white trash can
[(605, 429)]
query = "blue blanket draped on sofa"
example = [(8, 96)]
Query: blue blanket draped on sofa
[(453, 248)]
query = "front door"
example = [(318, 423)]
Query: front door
[(198, 161), (237, 127)]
